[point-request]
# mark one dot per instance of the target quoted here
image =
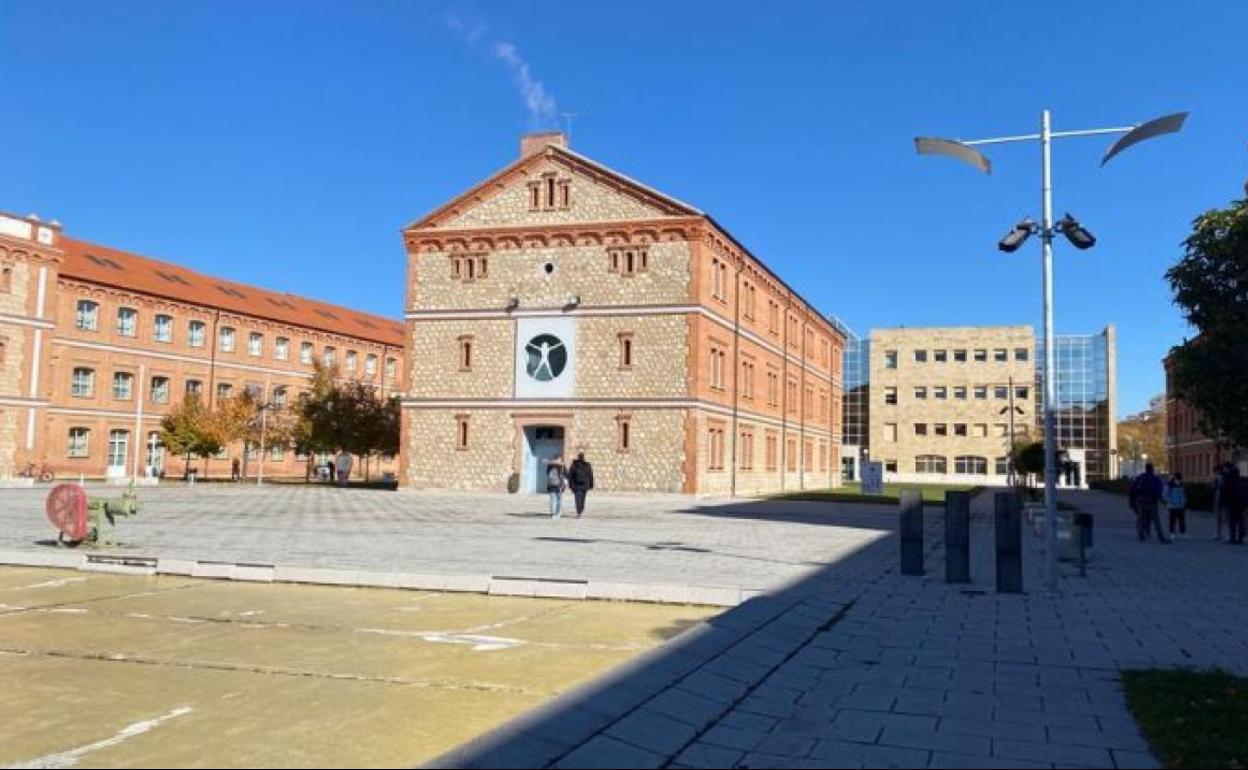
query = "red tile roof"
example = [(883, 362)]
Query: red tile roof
[(93, 263)]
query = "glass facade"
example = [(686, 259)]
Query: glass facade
[(1084, 402)]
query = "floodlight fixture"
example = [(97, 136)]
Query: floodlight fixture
[(1077, 234), (1018, 235)]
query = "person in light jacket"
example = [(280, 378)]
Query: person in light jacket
[(556, 479), (1176, 503)]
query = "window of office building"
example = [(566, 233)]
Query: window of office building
[(118, 448), (941, 429), (160, 390), (306, 351), (196, 334), (715, 448), (87, 318), (940, 356), (370, 365), (1001, 355), (931, 464), (1001, 392), (940, 393), (772, 451), (162, 328), (255, 345), (123, 385), (920, 429), (1002, 466), (920, 393), (959, 356), (281, 396), (127, 322), (194, 387), (330, 357), (981, 392), (1021, 392), (79, 443), (392, 368), (981, 430), (981, 356), (623, 433), (281, 349), (920, 356), (890, 396), (890, 432), (626, 350), (959, 393), (959, 429), (226, 340), (1021, 354), (971, 465), (224, 390), (890, 359), (353, 361)]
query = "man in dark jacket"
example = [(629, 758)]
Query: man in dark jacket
[(1234, 499), (581, 480), (1146, 494)]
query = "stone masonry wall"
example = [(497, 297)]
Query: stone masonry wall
[(656, 461), (433, 462), (435, 359), (660, 357), (581, 270), (17, 300), (591, 201)]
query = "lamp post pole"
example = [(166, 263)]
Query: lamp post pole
[(966, 152)]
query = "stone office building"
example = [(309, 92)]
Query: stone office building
[(98, 344), (561, 307)]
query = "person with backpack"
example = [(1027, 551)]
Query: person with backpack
[(556, 478), (1176, 503), (1146, 494), (581, 480)]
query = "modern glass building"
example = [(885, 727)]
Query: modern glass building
[(1085, 420), (1087, 429)]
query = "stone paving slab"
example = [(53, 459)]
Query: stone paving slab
[(857, 666), (650, 548)]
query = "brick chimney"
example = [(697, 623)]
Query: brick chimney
[(534, 143)]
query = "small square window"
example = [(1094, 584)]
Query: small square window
[(920, 356), (981, 356), (940, 356), (1001, 355), (890, 359), (890, 396), (920, 393), (1021, 354), (959, 393), (1022, 393), (959, 429), (959, 356), (1001, 392), (920, 429), (940, 393), (981, 392), (940, 429)]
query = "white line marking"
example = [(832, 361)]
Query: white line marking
[(51, 584), (71, 757), (478, 643)]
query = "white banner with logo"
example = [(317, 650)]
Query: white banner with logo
[(545, 357)]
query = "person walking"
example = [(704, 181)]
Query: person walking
[(235, 470), (1234, 499), (581, 480), (1146, 493), (556, 478), (1176, 503), (343, 465)]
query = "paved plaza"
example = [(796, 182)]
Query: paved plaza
[(656, 548), (132, 671), (861, 667)]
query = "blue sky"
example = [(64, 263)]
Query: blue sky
[(286, 144)]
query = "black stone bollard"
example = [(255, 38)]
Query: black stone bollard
[(911, 533), (1009, 544), (957, 537)]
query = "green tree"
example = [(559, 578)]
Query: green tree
[(1210, 287), (189, 430)]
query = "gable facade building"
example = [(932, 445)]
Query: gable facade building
[(97, 345), (561, 307)]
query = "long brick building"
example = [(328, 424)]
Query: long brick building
[(97, 345), (562, 307)]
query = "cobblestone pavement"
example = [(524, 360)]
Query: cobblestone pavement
[(860, 667), (642, 547)]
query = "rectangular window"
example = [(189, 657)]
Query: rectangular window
[(370, 365), (981, 430), (920, 429), (959, 429), (226, 340), (719, 279), (981, 356), (747, 380), (745, 452), (280, 397), (790, 455), (1001, 430), (255, 344), (1021, 354), (465, 353), (981, 392), (306, 351), (890, 466), (353, 361), (1001, 392), (959, 392), (162, 329), (715, 448), (196, 333), (79, 443), (773, 453), (890, 396), (717, 368), (959, 356), (277, 452), (224, 389), (920, 393), (626, 350), (87, 318), (160, 390), (1021, 392), (123, 385), (940, 393), (118, 448), (773, 388), (940, 429), (623, 433), (628, 260), (461, 432), (392, 368), (6, 279), (127, 322), (330, 356), (920, 356), (940, 356), (281, 349), (194, 387), (890, 359), (890, 432), (1001, 355), (791, 395)]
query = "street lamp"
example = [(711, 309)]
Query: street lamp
[(965, 151)]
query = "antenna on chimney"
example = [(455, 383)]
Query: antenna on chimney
[(567, 124)]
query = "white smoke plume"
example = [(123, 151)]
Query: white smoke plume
[(540, 103)]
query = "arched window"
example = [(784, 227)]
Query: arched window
[(971, 465)]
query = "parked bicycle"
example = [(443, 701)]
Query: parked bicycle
[(43, 472)]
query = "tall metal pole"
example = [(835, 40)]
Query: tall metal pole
[(1013, 441), (264, 425), (1050, 359)]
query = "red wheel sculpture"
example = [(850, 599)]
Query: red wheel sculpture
[(67, 510)]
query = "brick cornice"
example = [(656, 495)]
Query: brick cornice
[(488, 239)]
